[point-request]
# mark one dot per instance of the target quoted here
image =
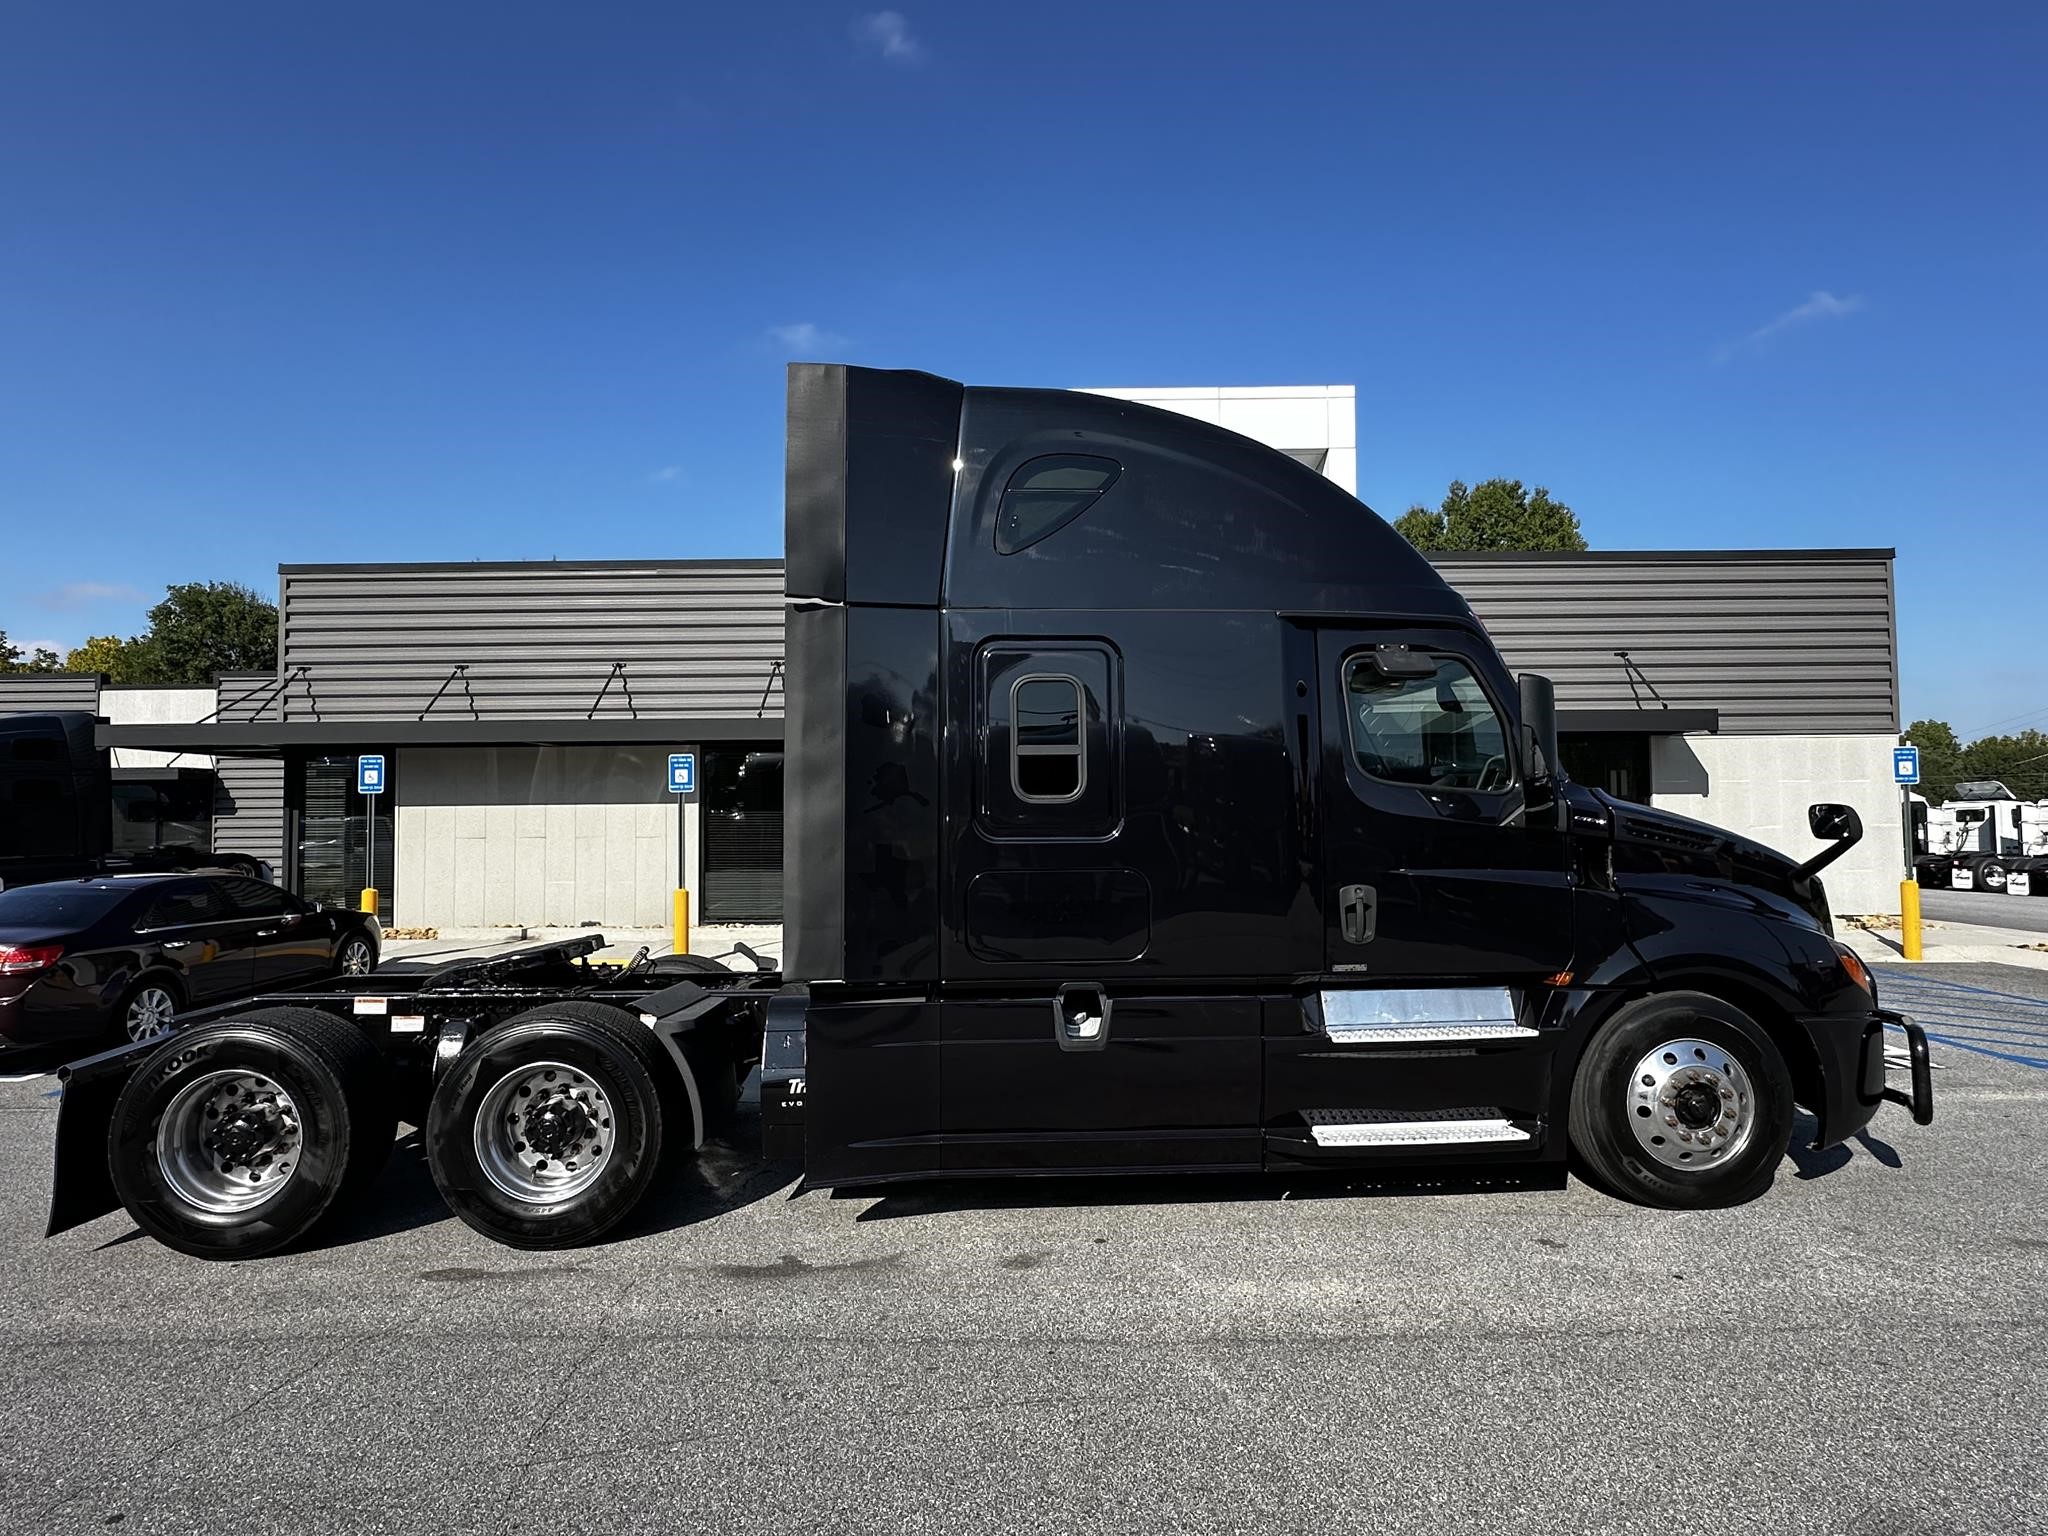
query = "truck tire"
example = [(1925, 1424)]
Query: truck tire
[(1681, 1101), (550, 1128), (1991, 875), (237, 1137)]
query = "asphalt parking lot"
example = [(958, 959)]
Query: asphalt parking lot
[(1992, 908), (1862, 1350)]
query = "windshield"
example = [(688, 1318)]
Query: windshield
[(57, 906)]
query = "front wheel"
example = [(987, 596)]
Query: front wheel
[(1682, 1101), (357, 956), (549, 1129)]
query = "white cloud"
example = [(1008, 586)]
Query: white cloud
[(83, 594), (888, 34), (1819, 305), (806, 338), (668, 474)]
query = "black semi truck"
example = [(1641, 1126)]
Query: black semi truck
[(1152, 807)]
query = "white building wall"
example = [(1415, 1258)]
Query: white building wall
[(1295, 418), (1761, 786), (534, 836), (156, 706)]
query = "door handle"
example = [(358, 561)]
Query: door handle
[(1358, 913), (177, 944), (1080, 1016), (266, 933)]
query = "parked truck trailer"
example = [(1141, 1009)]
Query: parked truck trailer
[(1152, 808)]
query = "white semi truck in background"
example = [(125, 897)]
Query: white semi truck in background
[(1984, 839)]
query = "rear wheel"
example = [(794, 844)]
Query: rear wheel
[(239, 1136), (1682, 1101), (356, 957), (549, 1129), (149, 1009), (1991, 875)]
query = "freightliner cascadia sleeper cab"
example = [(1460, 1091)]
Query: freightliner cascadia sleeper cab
[(1151, 806)]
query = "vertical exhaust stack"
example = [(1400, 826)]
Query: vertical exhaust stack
[(867, 496)]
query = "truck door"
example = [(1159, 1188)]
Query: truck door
[(1434, 870)]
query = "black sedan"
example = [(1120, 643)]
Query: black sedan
[(121, 956)]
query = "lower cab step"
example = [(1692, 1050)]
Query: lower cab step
[(1382, 1128)]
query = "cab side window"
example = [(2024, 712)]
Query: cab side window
[(1047, 493), (1438, 731), (1048, 740)]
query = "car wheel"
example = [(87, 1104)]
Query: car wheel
[(150, 1009), (358, 957), (549, 1129), (239, 1136), (1682, 1101)]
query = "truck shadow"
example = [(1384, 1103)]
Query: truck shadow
[(1818, 1165), (942, 1196)]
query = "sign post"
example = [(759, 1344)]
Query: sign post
[(1906, 773), (682, 781), (370, 783)]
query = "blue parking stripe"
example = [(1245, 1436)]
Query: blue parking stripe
[(1980, 1020)]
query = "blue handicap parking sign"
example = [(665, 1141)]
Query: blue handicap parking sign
[(682, 773), (370, 774), (1906, 765)]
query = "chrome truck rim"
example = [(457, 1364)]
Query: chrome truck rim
[(229, 1142), (544, 1133), (1690, 1104), (150, 1012)]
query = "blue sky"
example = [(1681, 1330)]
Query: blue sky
[(286, 283)]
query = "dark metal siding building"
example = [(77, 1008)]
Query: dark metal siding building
[(528, 710)]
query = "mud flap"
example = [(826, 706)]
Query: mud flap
[(81, 1188)]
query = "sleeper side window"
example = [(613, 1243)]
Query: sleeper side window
[(1048, 739), (1434, 731), (1047, 493)]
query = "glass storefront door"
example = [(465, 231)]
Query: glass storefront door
[(338, 833)]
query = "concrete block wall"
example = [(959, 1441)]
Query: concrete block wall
[(1761, 786), (532, 836)]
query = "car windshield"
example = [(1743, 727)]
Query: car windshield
[(57, 906)]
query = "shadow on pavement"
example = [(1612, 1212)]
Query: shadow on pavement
[(1165, 1189), (1813, 1164)]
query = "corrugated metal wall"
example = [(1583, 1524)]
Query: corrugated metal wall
[(1781, 643), (248, 806), (31, 693), (698, 638)]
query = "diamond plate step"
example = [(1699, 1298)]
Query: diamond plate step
[(1376, 1128)]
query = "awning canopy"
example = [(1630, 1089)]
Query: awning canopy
[(269, 738), (1637, 722)]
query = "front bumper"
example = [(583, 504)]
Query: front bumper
[(1921, 1099), (1848, 1048)]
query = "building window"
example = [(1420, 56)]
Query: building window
[(1438, 731), (1047, 493), (173, 813), (742, 822), (1619, 764), (343, 837)]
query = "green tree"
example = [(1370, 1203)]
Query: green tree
[(205, 627), (121, 660), (1941, 759), (1494, 514), (2020, 762), (12, 660)]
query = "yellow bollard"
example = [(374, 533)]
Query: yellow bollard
[(368, 901), (1909, 918), (682, 934)]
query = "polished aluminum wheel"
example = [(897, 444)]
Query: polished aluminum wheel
[(151, 1012), (229, 1141), (1690, 1104), (356, 958), (544, 1132)]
